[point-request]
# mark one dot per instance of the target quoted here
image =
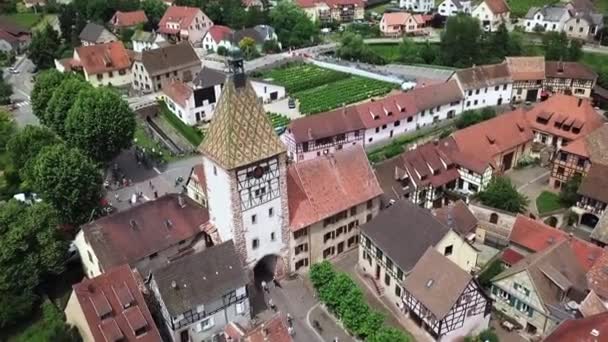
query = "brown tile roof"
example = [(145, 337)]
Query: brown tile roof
[(7, 24), (484, 76), (570, 113), (490, 138), (100, 58), (178, 91), (427, 164), (177, 14), (595, 183), (273, 330), (324, 186), (597, 277), (404, 219), (497, 6), (597, 145), (554, 267), (116, 294), (325, 125), (574, 70), (131, 235), (592, 305), (458, 217), (127, 19), (170, 58), (436, 282), (462, 158), (436, 94), (581, 329), (386, 110), (536, 236), (240, 132), (600, 232), (578, 147), (526, 68)]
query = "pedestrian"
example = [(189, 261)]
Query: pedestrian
[(265, 286), (291, 331), (117, 197), (289, 319), (271, 304), (151, 186), (276, 282)]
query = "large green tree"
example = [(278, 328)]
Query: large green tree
[(461, 41), (31, 249), (62, 100), (100, 123), (501, 194), (44, 47), (7, 129), (568, 195), (25, 145), (45, 85), (51, 328), (6, 90), (558, 47), (353, 48), (388, 334), (155, 9), (68, 180), (293, 26)]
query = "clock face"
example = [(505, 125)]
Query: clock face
[(258, 172)]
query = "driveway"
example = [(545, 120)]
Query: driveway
[(22, 88), (282, 107), (531, 182)]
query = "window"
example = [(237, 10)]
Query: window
[(378, 253), (397, 291), (255, 243), (377, 129), (110, 74), (496, 88), (476, 91), (301, 248), (580, 162), (207, 323), (141, 331), (351, 241), (564, 156), (272, 236), (475, 103), (270, 212), (254, 219), (99, 77), (353, 211), (399, 274), (301, 263), (468, 103), (328, 236), (504, 87), (370, 204), (328, 252), (397, 123), (494, 218), (410, 119), (387, 279), (560, 170), (389, 264), (368, 217), (300, 233), (448, 250), (90, 257), (240, 308), (214, 170)]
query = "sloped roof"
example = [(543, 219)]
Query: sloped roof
[(178, 91), (325, 125), (324, 186), (458, 217), (497, 6), (592, 305), (208, 77), (426, 164), (526, 68), (483, 76), (600, 232), (597, 145), (597, 277), (580, 329), (127, 19), (573, 70), (182, 15), (549, 12), (91, 32), (200, 278), (115, 293), (404, 219), (169, 58), (436, 282), (100, 58), (595, 183), (240, 133), (220, 32)]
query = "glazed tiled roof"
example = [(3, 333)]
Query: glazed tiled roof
[(100, 58), (115, 296), (240, 133), (127, 19), (526, 68), (535, 236), (436, 282), (324, 186), (565, 116), (597, 277)]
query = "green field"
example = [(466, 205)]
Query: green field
[(27, 20), (595, 61), (519, 8), (278, 120), (390, 52), (343, 92), (298, 77), (192, 134), (547, 202)]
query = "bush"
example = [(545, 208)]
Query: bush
[(472, 117), (343, 297), (491, 271), (501, 194), (222, 51), (571, 217)]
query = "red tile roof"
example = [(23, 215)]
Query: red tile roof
[(536, 236), (526, 68), (326, 125), (458, 217), (427, 164), (329, 3), (131, 235), (8, 37), (127, 19), (462, 158), (386, 110), (114, 307), (490, 138), (179, 92), (578, 147), (100, 58), (569, 112), (324, 186), (220, 32), (574, 70), (395, 18), (497, 6), (511, 257), (589, 329), (177, 14), (272, 330), (597, 277)]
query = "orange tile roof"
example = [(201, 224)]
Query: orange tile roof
[(220, 32), (526, 68), (569, 112), (490, 138), (178, 91), (395, 18), (497, 6), (324, 186), (577, 147), (537, 236), (579, 330), (127, 19), (180, 14), (100, 58)]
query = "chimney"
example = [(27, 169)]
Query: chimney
[(580, 102), (180, 201)]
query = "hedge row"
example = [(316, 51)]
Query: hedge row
[(345, 300)]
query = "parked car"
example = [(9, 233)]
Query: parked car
[(291, 103)]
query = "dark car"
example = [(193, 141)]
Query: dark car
[(291, 103)]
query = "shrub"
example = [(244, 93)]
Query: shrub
[(222, 51), (571, 217), (491, 271)]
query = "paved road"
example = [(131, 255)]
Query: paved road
[(22, 88)]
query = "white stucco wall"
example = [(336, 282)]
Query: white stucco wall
[(487, 96), (219, 198)]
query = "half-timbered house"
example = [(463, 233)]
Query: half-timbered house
[(445, 300), (199, 294), (528, 74), (571, 78)]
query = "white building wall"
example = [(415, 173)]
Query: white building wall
[(219, 198), (209, 43), (417, 6), (89, 260), (487, 96), (473, 325), (263, 229), (268, 92), (462, 254), (447, 8), (539, 20)]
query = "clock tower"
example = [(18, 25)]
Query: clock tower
[(245, 169)]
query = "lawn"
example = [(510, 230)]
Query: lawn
[(278, 120), (390, 52), (144, 141), (602, 6), (192, 134), (519, 8), (595, 61), (302, 76), (547, 202), (27, 20), (343, 92)]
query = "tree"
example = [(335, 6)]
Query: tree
[(31, 249), (353, 48), (292, 25), (501, 194), (6, 90), (408, 51), (388, 334), (155, 9), (68, 180), (472, 117), (51, 328), (45, 85), (67, 20), (27, 143), (248, 48), (499, 43), (429, 53), (558, 47), (271, 46), (222, 50), (44, 47), (321, 274), (568, 195), (100, 123), (62, 100), (7, 128), (575, 50), (461, 41)]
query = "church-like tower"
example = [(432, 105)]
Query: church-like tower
[(245, 167)]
